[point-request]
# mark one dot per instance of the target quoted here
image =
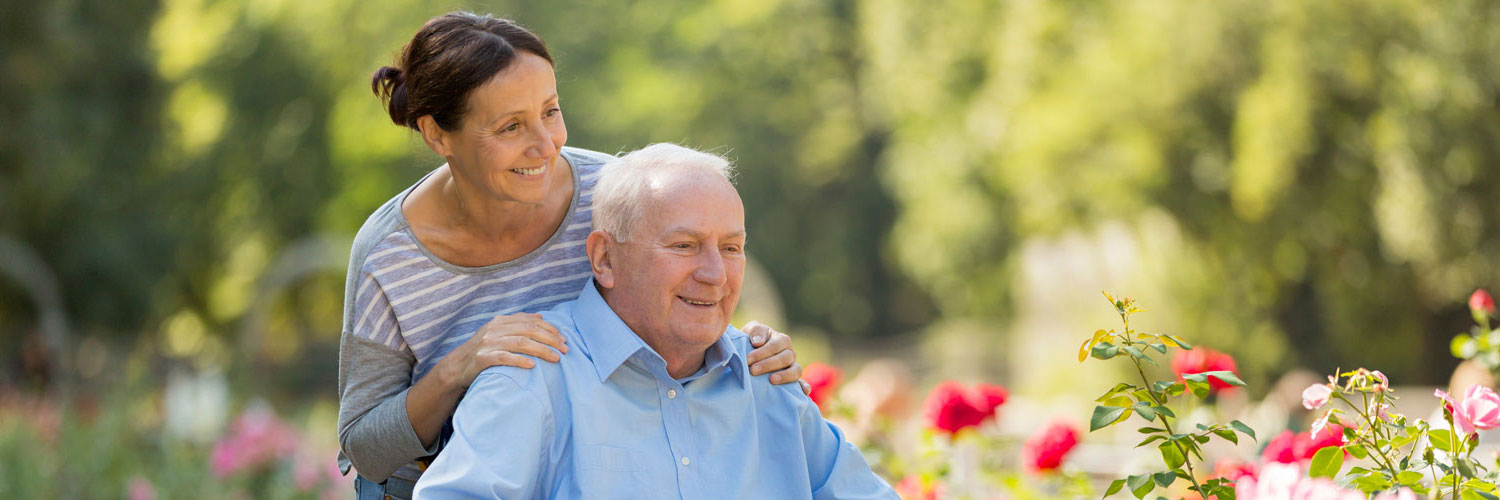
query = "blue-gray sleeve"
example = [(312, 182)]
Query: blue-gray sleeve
[(502, 436)]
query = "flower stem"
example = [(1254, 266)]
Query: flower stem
[(1187, 459)]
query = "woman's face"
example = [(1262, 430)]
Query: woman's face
[(511, 135)]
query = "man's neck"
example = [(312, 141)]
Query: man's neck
[(682, 360)]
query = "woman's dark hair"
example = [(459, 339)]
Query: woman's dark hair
[(448, 58)]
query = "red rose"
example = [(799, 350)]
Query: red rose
[(823, 379), (1203, 359), (1281, 449), (951, 407), (1333, 435), (987, 398), (1481, 303), (1233, 470), (1045, 450)]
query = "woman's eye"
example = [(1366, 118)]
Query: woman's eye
[(511, 128)]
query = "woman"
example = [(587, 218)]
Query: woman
[(445, 278)]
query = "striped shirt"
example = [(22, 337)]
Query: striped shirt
[(404, 300)]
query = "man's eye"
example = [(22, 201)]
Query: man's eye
[(735, 249), (682, 245), (553, 112)]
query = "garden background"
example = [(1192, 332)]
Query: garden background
[(946, 183)]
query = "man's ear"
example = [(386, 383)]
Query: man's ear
[(601, 248), (435, 137)]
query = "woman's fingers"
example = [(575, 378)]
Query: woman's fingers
[(779, 343), (790, 374), (758, 333), (534, 329), (505, 358), (777, 362)]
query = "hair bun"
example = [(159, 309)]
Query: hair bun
[(389, 84)]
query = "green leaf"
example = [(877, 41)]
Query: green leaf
[(1160, 347), (1372, 483), (1244, 429), (1479, 484), (1164, 478), (1357, 450), (1441, 439), (1164, 411), (1327, 462), (1228, 435), (1104, 350), (1465, 468), (1140, 485), (1408, 478), (1144, 410), (1149, 430), (1178, 342), (1171, 455), (1199, 387), (1105, 416), (1227, 376), (1150, 440), (1114, 487)]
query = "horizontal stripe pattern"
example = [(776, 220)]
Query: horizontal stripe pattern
[(408, 301)]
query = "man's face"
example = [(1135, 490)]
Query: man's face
[(677, 279)]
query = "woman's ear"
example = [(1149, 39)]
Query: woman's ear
[(600, 247), (435, 137)]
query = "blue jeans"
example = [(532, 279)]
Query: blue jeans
[(393, 488)]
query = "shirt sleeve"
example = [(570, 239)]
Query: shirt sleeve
[(502, 438), (375, 433), (835, 466)]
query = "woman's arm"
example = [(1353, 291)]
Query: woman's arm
[(513, 340), (385, 421)]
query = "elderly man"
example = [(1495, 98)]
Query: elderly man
[(653, 399)]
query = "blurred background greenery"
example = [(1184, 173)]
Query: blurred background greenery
[(951, 182)]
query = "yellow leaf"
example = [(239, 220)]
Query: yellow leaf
[(1083, 351)]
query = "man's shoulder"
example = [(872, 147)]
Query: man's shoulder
[(769, 397), (545, 378)]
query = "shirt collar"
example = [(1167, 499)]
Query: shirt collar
[(611, 342)]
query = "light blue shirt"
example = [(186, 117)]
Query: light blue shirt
[(609, 422)]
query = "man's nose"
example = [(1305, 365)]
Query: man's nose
[(711, 270)]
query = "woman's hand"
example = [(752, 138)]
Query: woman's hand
[(513, 340), (773, 353)]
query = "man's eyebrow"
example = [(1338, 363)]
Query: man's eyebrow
[(700, 234)]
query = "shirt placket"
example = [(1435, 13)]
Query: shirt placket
[(679, 425)]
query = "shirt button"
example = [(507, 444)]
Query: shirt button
[(672, 394), (685, 461)]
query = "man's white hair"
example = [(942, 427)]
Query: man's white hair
[(625, 184)]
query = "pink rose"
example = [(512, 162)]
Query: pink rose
[(1315, 396), (1282, 481), (1479, 410)]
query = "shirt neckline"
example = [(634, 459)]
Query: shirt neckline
[(567, 155)]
